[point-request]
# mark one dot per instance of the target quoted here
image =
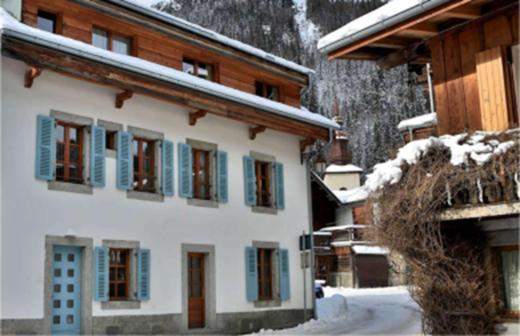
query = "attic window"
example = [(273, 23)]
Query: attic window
[(267, 91), (47, 21), (199, 69), (104, 39)]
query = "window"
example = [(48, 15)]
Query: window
[(507, 258), (47, 21), (263, 184), (201, 174), (144, 165), (110, 141), (265, 274), (69, 153), (267, 91), (119, 274), (199, 69), (106, 40)]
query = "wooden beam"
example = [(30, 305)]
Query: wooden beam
[(194, 116), (468, 12), (420, 30), (393, 42), (306, 143), (30, 74), (480, 211), (122, 97), (253, 131), (405, 55)]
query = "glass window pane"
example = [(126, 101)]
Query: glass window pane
[(121, 291), (60, 133), (46, 21), (99, 38), (203, 71), (121, 45), (188, 66), (259, 89), (74, 154), (511, 281), (73, 135)]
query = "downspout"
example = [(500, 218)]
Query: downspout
[(430, 87)]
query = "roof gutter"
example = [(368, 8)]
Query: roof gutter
[(98, 58), (384, 24)]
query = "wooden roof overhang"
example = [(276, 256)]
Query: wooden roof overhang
[(40, 58), (191, 38), (407, 41)]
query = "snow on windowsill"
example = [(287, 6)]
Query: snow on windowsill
[(426, 120)]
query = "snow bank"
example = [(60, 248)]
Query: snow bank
[(359, 194), (426, 120), (464, 150), (350, 168), (330, 308), (11, 27)]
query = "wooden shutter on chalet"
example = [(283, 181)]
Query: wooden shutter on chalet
[(251, 274), (249, 181), (101, 274), (125, 166), (494, 89), (222, 176), (45, 148), (97, 157), (185, 171), (143, 274), (279, 180), (167, 168), (285, 285)]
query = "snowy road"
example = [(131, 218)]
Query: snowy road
[(381, 311)]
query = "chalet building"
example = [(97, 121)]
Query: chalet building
[(472, 46), (159, 187)]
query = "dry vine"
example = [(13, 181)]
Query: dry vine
[(448, 270)]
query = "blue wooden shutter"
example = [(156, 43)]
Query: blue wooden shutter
[(143, 274), (125, 166), (167, 168), (222, 177), (101, 274), (251, 274), (280, 193), (285, 285), (97, 157), (249, 181), (45, 148), (185, 171)]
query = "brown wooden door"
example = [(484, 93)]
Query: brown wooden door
[(196, 291)]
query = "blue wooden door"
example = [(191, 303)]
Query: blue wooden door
[(66, 290)]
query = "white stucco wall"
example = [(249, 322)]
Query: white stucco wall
[(344, 215), (31, 211), (13, 6), (337, 181)]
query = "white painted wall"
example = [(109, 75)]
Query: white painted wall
[(13, 6), (337, 181), (31, 211), (344, 215)]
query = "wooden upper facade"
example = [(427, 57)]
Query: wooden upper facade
[(154, 40), (472, 46)]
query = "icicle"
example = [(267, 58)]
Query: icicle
[(449, 193), (480, 191), (517, 184)]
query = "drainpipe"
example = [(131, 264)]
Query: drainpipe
[(430, 87)]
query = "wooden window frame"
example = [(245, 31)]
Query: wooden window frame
[(265, 86), (58, 24), (263, 184), (196, 62), (140, 174), (118, 283), (197, 185), (66, 152), (110, 36), (265, 261), (499, 288)]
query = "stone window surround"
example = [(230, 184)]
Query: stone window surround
[(133, 302), (210, 286), (67, 186), (276, 301), (86, 279), (155, 136), (111, 127), (260, 209), (212, 148)]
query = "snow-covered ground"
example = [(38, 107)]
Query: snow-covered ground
[(345, 311)]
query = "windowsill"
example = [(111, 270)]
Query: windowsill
[(129, 304), (268, 303), (144, 196), (202, 203), (264, 210), (70, 187)]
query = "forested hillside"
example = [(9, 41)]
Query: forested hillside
[(371, 101)]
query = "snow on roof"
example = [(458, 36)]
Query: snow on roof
[(464, 149), (376, 250), (350, 168), (321, 233), (138, 6), (359, 194), (342, 227), (423, 121), (393, 12), (347, 243), (11, 27)]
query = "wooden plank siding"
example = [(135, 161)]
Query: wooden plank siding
[(77, 22), (472, 83)]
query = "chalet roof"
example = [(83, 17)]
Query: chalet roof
[(351, 196), (209, 34), (10, 27), (426, 120)]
